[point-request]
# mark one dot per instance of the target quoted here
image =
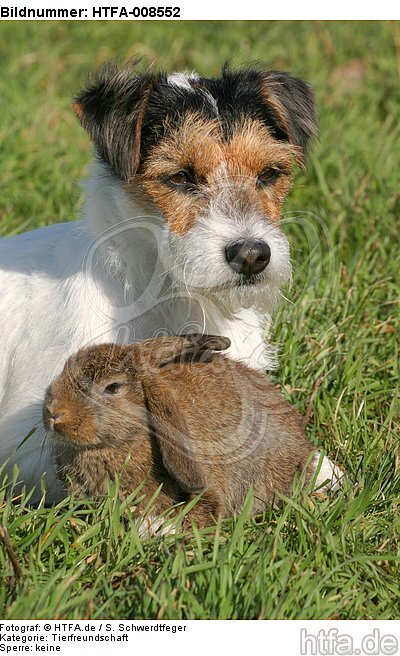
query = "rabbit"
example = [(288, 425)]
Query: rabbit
[(174, 411)]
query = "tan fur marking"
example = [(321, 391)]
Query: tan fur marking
[(78, 109), (279, 110), (138, 128), (254, 149), (236, 164)]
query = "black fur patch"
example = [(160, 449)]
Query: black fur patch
[(109, 108), (116, 100)]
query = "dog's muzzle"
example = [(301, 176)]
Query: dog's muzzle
[(248, 257)]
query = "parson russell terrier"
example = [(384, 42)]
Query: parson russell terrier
[(180, 233)]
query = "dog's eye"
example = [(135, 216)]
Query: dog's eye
[(268, 176), (112, 388), (183, 180), (180, 178)]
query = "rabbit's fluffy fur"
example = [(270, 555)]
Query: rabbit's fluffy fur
[(174, 411), (186, 169)]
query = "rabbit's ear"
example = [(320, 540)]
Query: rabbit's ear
[(193, 347), (169, 427)]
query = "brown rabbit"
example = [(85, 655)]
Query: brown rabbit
[(173, 410)]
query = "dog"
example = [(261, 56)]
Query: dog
[(180, 233)]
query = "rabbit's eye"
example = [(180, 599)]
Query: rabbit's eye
[(113, 388)]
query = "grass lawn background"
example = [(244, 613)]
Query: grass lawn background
[(333, 557)]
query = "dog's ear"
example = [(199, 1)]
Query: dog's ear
[(193, 347), (292, 101), (169, 427), (111, 109)]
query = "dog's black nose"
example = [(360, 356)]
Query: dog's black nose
[(248, 257)]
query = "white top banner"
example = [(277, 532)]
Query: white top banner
[(190, 10)]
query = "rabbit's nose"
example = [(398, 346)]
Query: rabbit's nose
[(52, 416)]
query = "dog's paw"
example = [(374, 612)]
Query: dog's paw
[(327, 475)]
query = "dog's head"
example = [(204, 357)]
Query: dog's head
[(214, 156)]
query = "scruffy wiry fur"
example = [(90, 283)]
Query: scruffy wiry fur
[(149, 255), (172, 411)]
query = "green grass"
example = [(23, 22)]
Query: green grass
[(334, 557)]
